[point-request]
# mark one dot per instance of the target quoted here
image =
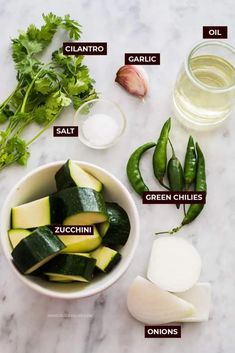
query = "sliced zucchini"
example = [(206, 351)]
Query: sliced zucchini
[(70, 174), (58, 278), (106, 258), (32, 214), (80, 206), (76, 267), (16, 235), (119, 226), (103, 228), (36, 249), (69, 206), (81, 243), (65, 278)]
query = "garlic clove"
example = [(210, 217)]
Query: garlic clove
[(134, 79)]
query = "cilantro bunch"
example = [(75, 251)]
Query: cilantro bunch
[(43, 89)]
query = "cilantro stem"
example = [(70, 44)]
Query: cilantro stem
[(44, 129), (43, 90), (22, 110), (3, 105)]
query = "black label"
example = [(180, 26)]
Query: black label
[(161, 331), (171, 197), (85, 48), (215, 32), (72, 230), (142, 59), (65, 131)]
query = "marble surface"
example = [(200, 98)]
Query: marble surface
[(30, 322)]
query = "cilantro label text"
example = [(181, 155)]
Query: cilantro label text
[(84, 48)]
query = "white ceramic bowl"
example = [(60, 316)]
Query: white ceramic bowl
[(40, 182)]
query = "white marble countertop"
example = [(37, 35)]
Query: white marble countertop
[(101, 322)]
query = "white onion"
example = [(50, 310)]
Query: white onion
[(174, 265), (151, 305), (200, 297)]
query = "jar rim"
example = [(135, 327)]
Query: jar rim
[(194, 78)]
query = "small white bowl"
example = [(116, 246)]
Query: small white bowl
[(41, 182), (100, 106)]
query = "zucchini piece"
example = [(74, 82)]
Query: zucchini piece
[(106, 258), (76, 206), (16, 235), (69, 206), (65, 278), (58, 278), (35, 250), (76, 267), (81, 243), (32, 214), (70, 174), (119, 226), (103, 228)]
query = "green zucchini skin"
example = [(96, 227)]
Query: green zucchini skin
[(37, 248), (63, 177), (55, 208), (71, 265), (119, 226), (106, 258), (71, 174), (115, 260), (71, 201)]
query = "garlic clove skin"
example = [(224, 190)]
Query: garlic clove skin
[(134, 79)]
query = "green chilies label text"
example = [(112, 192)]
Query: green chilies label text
[(171, 197)]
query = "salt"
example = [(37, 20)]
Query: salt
[(100, 129)]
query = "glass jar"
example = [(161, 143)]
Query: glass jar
[(204, 92)]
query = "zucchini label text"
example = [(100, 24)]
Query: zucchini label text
[(72, 230)]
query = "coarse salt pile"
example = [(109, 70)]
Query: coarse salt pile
[(100, 129)]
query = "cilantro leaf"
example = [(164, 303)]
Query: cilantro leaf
[(46, 113), (46, 84), (73, 27), (43, 89)]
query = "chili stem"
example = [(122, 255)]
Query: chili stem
[(172, 148), (184, 209), (164, 185), (173, 231)]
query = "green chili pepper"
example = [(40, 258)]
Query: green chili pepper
[(160, 153), (133, 171), (190, 164), (175, 173), (194, 209)]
